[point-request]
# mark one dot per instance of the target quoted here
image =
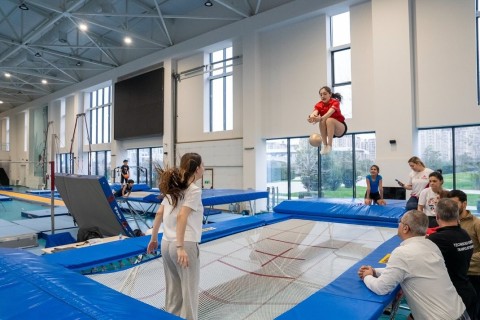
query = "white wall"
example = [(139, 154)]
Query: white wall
[(446, 69), (413, 65)]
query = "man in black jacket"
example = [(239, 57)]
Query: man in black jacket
[(457, 249)]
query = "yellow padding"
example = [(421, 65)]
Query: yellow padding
[(385, 259), (29, 197)]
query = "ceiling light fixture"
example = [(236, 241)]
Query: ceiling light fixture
[(127, 40), (38, 54), (208, 3), (7, 75), (78, 64), (44, 81), (83, 27), (23, 6), (1, 101)]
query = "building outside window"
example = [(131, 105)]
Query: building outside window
[(454, 150), (293, 166)]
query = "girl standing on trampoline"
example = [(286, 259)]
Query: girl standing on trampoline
[(181, 212), (331, 121)]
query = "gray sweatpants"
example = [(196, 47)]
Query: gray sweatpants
[(181, 296)]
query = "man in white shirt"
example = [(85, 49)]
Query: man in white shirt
[(418, 266)]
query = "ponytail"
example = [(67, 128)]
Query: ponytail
[(337, 96), (174, 181)]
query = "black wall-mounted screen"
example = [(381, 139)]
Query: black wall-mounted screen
[(397, 193), (138, 106)]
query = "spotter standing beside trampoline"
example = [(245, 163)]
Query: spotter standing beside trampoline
[(331, 121), (181, 212)]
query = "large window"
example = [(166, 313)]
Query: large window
[(293, 166), (454, 150), (100, 161), (341, 60), (142, 163), (221, 91), (100, 110), (6, 134), (63, 122), (64, 161)]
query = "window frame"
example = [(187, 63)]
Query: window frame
[(221, 70)]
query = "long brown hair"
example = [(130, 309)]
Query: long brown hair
[(174, 181)]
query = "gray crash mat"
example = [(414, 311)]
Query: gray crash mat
[(45, 224), (58, 211)]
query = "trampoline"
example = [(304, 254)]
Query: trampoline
[(268, 266), (261, 273)]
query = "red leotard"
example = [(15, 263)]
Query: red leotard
[(323, 108)]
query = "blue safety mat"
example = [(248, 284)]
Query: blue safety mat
[(136, 187), (344, 210), (347, 297), (95, 255), (31, 288), (210, 197), (40, 192), (5, 198)]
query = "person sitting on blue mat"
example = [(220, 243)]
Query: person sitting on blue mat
[(374, 193), (418, 266)]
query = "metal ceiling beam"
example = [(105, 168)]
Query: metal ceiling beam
[(41, 29), (56, 67), (232, 8), (127, 33), (24, 89), (76, 58), (5, 18), (163, 22), (107, 54), (37, 75)]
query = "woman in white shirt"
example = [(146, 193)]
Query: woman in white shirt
[(428, 199), (181, 212), (417, 181)]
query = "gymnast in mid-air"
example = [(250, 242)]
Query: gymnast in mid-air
[(329, 116)]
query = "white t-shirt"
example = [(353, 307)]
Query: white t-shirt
[(192, 199), (428, 199), (418, 181)]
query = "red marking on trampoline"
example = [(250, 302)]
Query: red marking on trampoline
[(246, 303), (299, 244), (278, 255), (256, 273)]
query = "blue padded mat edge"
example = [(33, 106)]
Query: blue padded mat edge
[(39, 290)]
